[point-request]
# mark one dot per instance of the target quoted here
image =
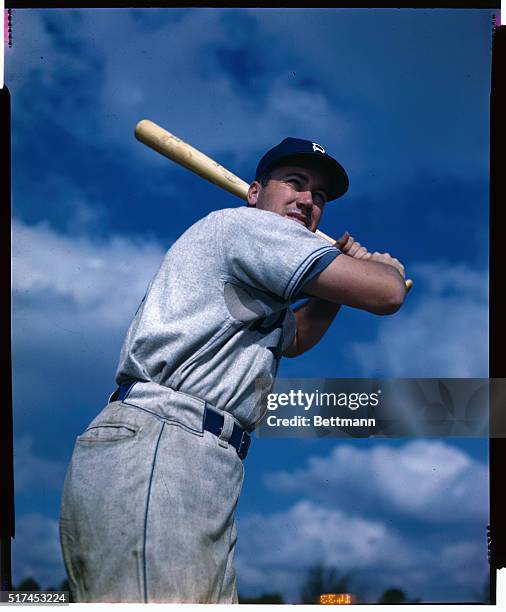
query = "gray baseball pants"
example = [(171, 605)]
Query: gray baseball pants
[(148, 504)]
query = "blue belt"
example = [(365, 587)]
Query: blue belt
[(240, 439)]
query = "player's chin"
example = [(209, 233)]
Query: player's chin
[(313, 223), (308, 226)]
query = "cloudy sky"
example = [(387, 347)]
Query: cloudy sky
[(401, 98)]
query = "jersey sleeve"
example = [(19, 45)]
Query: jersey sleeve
[(315, 269), (264, 250)]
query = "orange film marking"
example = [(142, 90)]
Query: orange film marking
[(338, 599)]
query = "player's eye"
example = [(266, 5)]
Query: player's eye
[(295, 183), (319, 198)]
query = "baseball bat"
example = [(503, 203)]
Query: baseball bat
[(185, 155)]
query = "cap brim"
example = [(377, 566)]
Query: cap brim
[(338, 178)]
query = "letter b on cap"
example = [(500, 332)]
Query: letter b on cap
[(317, 147)]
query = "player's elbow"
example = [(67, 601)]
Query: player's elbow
[(391, 300), (388, 308)]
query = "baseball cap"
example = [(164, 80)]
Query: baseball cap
[(292, 150)]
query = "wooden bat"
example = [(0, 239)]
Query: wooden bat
[(185, 155)]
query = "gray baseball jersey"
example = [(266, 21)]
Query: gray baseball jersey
[(216, 316), (148, 503)]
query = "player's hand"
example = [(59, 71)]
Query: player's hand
[(349, 246), (387, 259)]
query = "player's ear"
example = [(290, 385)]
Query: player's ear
[(253, 192)]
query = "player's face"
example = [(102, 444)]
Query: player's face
[(296, 192)]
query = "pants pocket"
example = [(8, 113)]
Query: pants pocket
[(108, 432), (116, 422)]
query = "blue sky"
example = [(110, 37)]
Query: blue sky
[(401, 99)]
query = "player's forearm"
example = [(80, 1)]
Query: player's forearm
[(391, 289), (312, 320), (369, 285), (384, 291)]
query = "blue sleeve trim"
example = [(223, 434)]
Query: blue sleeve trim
[(294, 282), (318, 266)]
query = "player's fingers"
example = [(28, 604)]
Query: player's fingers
[(354, 248), (399, 267), (398, 263), (340, 242), (361, 253), (348, 245)]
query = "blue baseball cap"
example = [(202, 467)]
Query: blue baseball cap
[(296, 150)]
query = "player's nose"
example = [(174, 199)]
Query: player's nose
[(305, 199)]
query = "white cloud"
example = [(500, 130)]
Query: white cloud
[(461, 556), (430, 481), (442, 330), (73, 300), (100, 282), (275, 551), (36, 551), (312, 532), (195, 98), (192, 94), (35, 473), (458, 279)]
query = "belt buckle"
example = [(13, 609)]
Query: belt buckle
[(242, 451)]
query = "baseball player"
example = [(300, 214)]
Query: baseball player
[(149, 498)]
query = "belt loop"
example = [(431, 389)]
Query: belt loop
[(226, 431)]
